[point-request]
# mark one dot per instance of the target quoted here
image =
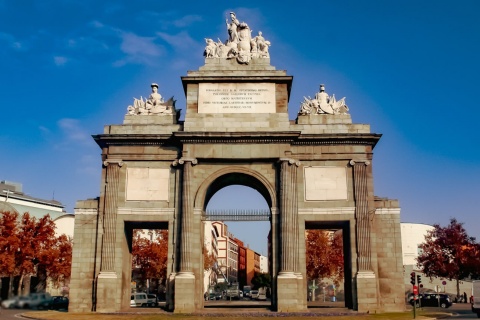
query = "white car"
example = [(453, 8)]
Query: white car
[(140, 299), (9, 303), (254, 294)]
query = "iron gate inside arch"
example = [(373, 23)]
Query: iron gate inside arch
[(236, 215)]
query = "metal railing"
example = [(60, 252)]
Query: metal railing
[(236, 215)]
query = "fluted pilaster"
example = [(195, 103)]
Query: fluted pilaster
[(187, 214), (110, 214), (362, 215), (288, 211)]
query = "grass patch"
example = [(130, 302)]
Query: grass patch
[(54, 315)]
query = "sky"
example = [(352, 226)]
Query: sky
[(408, 68)]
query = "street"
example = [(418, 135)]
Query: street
[(459, 311)]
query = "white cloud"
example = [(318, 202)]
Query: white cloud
[(139, 50), (186, 21), (180, 42), (134, 45), (73, 131), (60, 61), (11, 42)]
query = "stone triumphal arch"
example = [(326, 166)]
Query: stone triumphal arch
[(160, 172)]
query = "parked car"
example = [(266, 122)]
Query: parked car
[(9, 303), (33, 301), (55, 303), (262, 296), (141, 299), (215, 296), (433, 300), (253, 294), (152, 300), (132, 302)]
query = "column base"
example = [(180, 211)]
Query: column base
[(367, 292), (184, 292), (107, 292), (288, 299), (302, 291)]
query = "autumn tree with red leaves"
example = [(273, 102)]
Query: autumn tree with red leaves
[(29, 247), (9, 245), (150, 256), (60, 255), (448, 252), (324, 255), (208, 259)]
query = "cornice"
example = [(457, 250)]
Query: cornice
[(178, 138)]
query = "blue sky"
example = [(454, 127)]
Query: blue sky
[(408, 68)]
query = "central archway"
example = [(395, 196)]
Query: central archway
[(248, 259), (230, 176)]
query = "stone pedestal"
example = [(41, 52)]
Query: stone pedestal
[(287, 292), (367, 292), (106, 292), (184, 292)]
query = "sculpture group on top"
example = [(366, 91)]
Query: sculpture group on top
[(240, 43), (322, 104), (154, 104)]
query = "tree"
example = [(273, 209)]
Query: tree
[(38, 238), (150, 257), (324, 255), (60, 255), (9, 245), (261, 280), (208, 259), (29, 247), (448, 252)]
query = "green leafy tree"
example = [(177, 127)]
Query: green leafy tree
[(261, 280), (448, 252)]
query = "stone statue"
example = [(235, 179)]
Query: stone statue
[(232, 28), (210, 49), (262, 46), (239, 45), (154, 104), (323, 104)]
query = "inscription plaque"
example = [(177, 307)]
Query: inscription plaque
[(236, 98), (144, 184), (325, 183)]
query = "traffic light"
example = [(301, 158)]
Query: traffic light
[(419, 279), (412, 278)]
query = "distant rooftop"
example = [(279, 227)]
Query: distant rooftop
[(12, 196)]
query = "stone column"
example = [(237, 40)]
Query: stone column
[(108, 290), (302, 291), (287, 280), (185, 278), (365, 278)]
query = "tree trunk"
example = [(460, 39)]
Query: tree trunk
[(458, 289), (10, 287), (20, 285)]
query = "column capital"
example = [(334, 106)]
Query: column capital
[(290, 161), (354, 162), (112, 161), (181, 161)]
